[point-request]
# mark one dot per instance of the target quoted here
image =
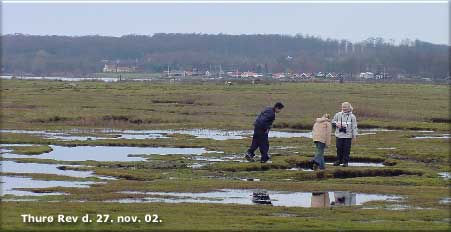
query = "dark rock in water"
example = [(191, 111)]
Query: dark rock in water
[(261, 198)]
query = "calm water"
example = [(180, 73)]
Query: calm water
[(108, 153)]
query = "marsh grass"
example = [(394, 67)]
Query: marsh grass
[(410, 171), (135, 105)]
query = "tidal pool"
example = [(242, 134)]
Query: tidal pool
[(108, 153), (445, 175), (15, 167), (9, 185), (70, 135), (361, 164), (440, 136), (154, 134), (445, 200)]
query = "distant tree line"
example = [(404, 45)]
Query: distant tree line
[(48, 55)]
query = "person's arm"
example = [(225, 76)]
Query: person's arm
[(268, 118), (354, 128), (328, 133), (334, 121)]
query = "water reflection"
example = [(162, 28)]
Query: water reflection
[(320, 200), (258, 196), (344, 198), (261, 198), (341, 198)]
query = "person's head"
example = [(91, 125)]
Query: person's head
[(326, 116), (278, 107), (346, 107)]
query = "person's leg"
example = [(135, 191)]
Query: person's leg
[(264, 147), (346, 150), (255, 143), (339, 145), (319, 156)]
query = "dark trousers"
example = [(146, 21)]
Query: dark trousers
[(259, 140), (343, 149)]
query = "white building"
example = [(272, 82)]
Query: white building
[(367, 75)]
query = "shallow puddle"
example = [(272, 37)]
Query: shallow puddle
[(250, 197), (14, 167), (441, 136), (445, 175), (359, 164), (397, 207), (367, 133), (220, 135), (108, 153), (70, 135), (16, 145), (300, 169), (386, 148), (154, 134), (230, 158), (251, 179), (284, 147), (377, 129), (215, 134), (11, 183), (196, 165)]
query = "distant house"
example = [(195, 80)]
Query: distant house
[(382, 75), (279, 75), (196, 73), (367, 75), (320, 74), (118, 69), (331, 75), (401, 76), (234, 74), (109, 68), (121, 69), (178, 73), (305, 75), (248, 74)]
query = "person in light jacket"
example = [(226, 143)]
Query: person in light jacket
[(345, 124), (321, 135)]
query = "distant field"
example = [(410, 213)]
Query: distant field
[(47, 104)]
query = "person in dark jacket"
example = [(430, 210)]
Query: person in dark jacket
[(262, 125)]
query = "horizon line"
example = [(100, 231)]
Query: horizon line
[(229, 1), (221, 33)]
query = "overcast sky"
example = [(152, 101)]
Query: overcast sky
[(355, 22)]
